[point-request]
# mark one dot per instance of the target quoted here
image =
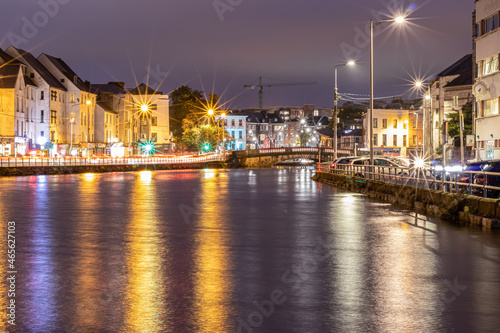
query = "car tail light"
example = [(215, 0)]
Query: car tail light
[(332, 166)]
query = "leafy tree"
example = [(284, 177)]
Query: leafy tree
[(347, 113), (185, 102), (203, 137), (454, 123)]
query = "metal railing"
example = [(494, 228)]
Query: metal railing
[(297, 150), (472, 182), (8, 162)]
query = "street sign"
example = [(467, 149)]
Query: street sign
[(470, 140), (49, 145)]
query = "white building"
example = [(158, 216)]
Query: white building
[(44, 120), (487, 84), (155, 120), (236, 126), (78, 104)]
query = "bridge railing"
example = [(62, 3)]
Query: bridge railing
[(7, 162), (296, 150), (473, 182)]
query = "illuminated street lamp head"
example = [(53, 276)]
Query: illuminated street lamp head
[(88, 102), (351, 63), (144, 108), (223, 115), (399, 19), (427, 97), (418, 84), (210, 112)]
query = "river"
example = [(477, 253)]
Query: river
[(236, 251)]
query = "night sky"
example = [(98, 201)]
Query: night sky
[(221, 49)]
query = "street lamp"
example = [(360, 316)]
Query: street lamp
[(398, 20), (335, 112), (144, 109)]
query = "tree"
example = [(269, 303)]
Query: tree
[(185, 102), (204, 137), (347, 113), (454, 124)]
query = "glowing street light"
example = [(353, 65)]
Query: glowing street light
[(398, 20), (210, 112), (336, 112)]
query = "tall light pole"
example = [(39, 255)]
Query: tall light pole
[(144, 110), (335, 109), (373, 24)]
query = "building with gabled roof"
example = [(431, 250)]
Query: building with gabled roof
[(44, 116), (79, 106), (441, 91)]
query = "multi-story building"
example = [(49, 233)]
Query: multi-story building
[(395, 131), (11, 85), (235, 124), (440, 99), (44, 120), (149, 111), (487, 84), (78, 105)]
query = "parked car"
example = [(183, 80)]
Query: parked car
[(472, 166), (491, 180)]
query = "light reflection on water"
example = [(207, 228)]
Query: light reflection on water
[(115, 252)]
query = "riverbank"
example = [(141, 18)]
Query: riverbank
[(61, 170), (453, 207)]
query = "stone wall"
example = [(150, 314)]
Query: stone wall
[(455, 207), (59, 170)]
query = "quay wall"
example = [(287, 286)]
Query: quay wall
[(60, 170), (454, 207)]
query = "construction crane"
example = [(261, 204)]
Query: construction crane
[(262, 86)]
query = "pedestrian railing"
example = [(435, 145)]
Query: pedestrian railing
[(472, 182), (7, 162)]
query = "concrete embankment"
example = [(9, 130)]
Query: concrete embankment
[(455, 207), (60, 170)]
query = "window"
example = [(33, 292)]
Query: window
[(42, 95), (233, 123), (375, 139), (488, 66), (53, 95), (286, 127), (404, 140), (414, 123), (384, 123), (154, 137), (405, 124), (395, 123), (154, 121), (53, 117), (41, 116), (489, 24), (384, 139), (395, 140), (232, 133), (240, 123), (32, 117), (72, 98), (415, 140), (52, 136), (375, 122), (489, 107), (241, 134)]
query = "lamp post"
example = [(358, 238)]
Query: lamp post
[(373, 24), (144, 110), (335, 108), (72, 121)]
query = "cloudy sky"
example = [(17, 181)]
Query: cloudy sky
[(220, 45)]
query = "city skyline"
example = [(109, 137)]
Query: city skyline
[(216, 47)]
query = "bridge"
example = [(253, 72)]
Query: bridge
[(266, 158)]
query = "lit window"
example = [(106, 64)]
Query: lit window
[(489, 66), (384, 123)]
